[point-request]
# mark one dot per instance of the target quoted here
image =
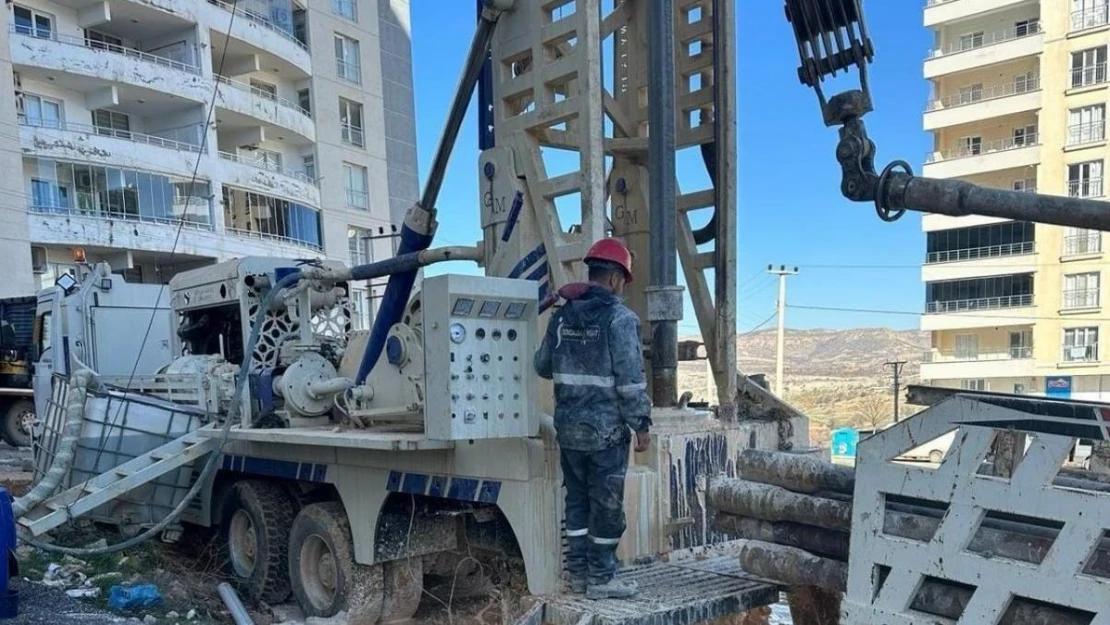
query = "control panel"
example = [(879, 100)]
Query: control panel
[(479, 339)]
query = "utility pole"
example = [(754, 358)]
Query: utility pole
[(896, 366), (782, 272)]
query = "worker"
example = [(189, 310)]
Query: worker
[(592, 351)]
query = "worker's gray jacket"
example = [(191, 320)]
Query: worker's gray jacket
[(593, 353)]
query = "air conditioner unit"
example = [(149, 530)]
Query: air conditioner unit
[(38, 259)]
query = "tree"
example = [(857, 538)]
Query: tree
[(874, 411)]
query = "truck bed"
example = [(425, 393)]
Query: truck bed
[(686, 592)]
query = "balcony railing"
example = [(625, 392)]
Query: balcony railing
[(180, 217), (126, 135), (147, 57), (266, 166), (261, 20), (1090, 18), (1080, 298), (349, 71), (262, 93), (963, 44), (931, 3), (981, 149), (358, 199), (983, 95), (1088, 187), (980, 303), (936, 356), (1079, 244), (1089, 75), (1080, 353), (974, 253), (353, 135), (254, 234), (1091, 132)]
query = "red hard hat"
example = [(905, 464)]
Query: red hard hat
[(614, 251)]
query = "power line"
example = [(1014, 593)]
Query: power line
[(908, 313), (1031, 264), (760, 325)]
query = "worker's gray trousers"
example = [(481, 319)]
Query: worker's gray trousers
[(595, 510)]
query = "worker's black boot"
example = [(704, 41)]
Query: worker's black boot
[(615, 588)]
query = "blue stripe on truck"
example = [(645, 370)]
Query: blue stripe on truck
[(444, 486), (286, 469)]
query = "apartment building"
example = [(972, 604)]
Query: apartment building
[(162, 135), (1019, 96)]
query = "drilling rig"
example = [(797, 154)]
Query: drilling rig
[(342, 468)]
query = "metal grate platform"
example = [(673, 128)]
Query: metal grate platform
[(671, 593)]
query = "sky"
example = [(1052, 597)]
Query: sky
[(790, 208)]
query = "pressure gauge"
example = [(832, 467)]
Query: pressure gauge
[(458, 333)]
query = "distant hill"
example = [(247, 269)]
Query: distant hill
[(833, 353)]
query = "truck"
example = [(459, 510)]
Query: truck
[(91, 317)]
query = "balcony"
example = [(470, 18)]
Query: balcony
[(987, 103), (1080, 135), (978, 262), (1080, 245), (984, 157), (260, 32), (264, 106), (1079, 354), (1080, 300), (980, 312), (1095, 17), (988, 49), (1086, 187), (107, 64), (265, 177), (174, 150), (942, 11), (999, 363), (1091, 76)]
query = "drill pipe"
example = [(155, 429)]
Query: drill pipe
[(771, 503), (796, 567), (818, 541)]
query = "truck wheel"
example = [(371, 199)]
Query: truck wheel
[(19, 420), (326, 579), (255, 526)]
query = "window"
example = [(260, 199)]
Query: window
[(300, 26), (1024, 83), (45, 325), (48, 194), (1088, 67), (359, 246), (967, 347), (1025, 135), (1080, 345), (1019, 389), (267, 159), (33, 22), (1079, 241), (973, 385), (1087, 124), (971, 93), (112, 123), (101, 41), (348, 60), (1085, 179), (309, 161), (971, 40), (304, 100), (254, 214), (971, 146), (1026, 27), (44, 112), (1003, 239), (350, 119), (1088, 14), (354, 183), (1021, 344), (347, 9), (1081, 290), (1029, 185), (1010, 291), (264, 89)]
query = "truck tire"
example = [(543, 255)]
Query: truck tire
[(255, 526), (19, 419), (326, 579)]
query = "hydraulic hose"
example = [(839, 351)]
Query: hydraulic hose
[(360, 272), (84, 379)]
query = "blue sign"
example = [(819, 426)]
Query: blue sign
[(1058, 386), (844, 443)]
